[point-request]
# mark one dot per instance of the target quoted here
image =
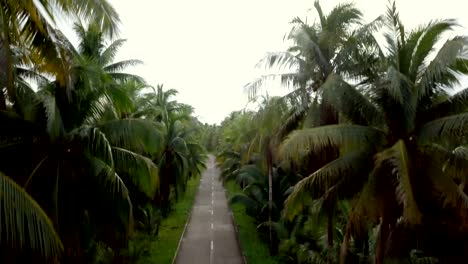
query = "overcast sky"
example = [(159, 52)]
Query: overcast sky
[(207, 49)]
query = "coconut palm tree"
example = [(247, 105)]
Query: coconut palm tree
[(31, 24), (72, 148), (269, 122), (402, 126), (338, 43), (181, 156)]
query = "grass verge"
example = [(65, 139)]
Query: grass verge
[(161, 249), (255, 250)]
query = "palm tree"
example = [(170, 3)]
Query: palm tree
[(269, 123), (400, 127), (32, 24), (72, 148), (180, 156), (334, 45)]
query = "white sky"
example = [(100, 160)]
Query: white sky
[(207, 49)]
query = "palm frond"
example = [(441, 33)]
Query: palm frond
[(440, 175), (437, 73), (140, 170), (94, 142), (243, 199), (432, 34), (55, 127), (121, 77), (106, 176), (122, 65), (319, 182), (456, 163), (447, 130), (350, 102), (342, 17), (24, 224), (142, 136), (301, 142), (100, 12), (249, 174), (279, 60), (108, 55), (454, 104), (292, 122), (398, 157)]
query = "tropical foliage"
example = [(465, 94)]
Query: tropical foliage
[(365, 158), (86, 149)]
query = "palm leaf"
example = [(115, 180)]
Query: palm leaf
[(100, 11), (95, 143), (437, 73), (55, 127), (23, 222), (440, 172), (139, 169), (350, 102), (456, 163), (313, 140), (449, 130), (246, 201), (121, 77), (107, 177), (343, 16), (292, 122), (398, 157), (432, 34), (455, 104), (142, 136), (319, 182), (108, 55), (122, 65)]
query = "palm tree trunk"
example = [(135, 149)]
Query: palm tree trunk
[(270, 196)]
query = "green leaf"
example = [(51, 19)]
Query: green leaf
[(397, 155), (318, 183), (350, 102), (451, 130), (23, 223), (140, 170), (313, 140), (142, 136)]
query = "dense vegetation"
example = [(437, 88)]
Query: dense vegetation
[(364, 161), (91, 157)]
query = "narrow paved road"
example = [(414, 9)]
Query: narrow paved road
[(210, 237)]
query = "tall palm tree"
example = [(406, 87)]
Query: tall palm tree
[(32, 24), (400, 127), (180, 156), (338, 43), (72, 148), (269, 122)]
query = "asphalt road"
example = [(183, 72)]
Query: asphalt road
[(210, 237)]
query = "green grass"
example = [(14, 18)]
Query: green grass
[(255, 250), (161, 249)]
